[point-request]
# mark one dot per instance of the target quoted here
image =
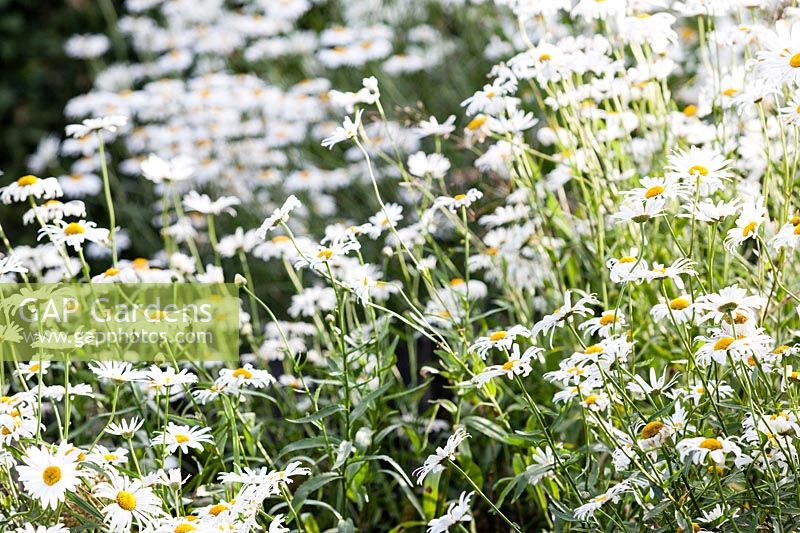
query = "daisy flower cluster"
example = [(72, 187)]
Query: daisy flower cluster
[(503, 265)]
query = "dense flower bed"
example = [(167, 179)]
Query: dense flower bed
[(511, 265)]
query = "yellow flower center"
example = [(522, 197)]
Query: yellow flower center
[(181, 439), (126, 500), (794, 61), (508, 365), (729, 92), (723, 343), (280, 238), (796, 230), (34, 367), (184, 528), (455, 282), (698, 169), (325, 254), (607, 319), (51, 475), (690, 110), (111, 272), (590, 400), (52, 203), (491, 251), (711, 444), (652, 429), (748, 229), (679, 304), (593, 349), (459, 197), (545, 57), (110, 457), (653, 191), (217, 509), (627, 259), (497, 336), (73, 228), (477, 122), (140, 263), (242, 373), (26, 181)]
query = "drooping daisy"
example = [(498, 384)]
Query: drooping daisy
[(639, 211), (54, 210), (752, 215), (613, 494), (125, 428), (348, 130), (434, 461), (679, 309), (280, 214), (30, 187), (456, 513), (110, 124), (182, 437), (557, 318), (131, 503), (628, 268), (788, 236), (48, 475), (729, 301), (654, 434), (458, 201)]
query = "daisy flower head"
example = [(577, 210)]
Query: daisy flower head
[(348, 130), (729, 301), (182, 437), (279, 215), (130, 502), (791, 112), (110, 124), (517, 365), (654, 434), (779, 62), (558, 317), (432, 126), (752, 215), (125, 428), (457, 512), (714, 448), (605, 324), (48, 474), (458, 201), (680, 309), (433, 463), (32, 369), (680, 267), (158, 170), (628, 268), (54, 210), (639, 211), (664, 188), (30, 186), (788, 236), (500, 339), (701, 166), (613, 494), (74, 234), (244, 376)]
